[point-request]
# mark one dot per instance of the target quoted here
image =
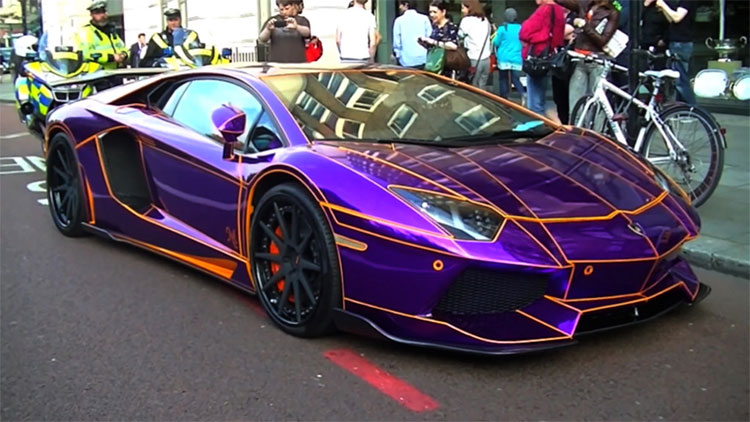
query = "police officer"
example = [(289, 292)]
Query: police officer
[(99, 37), (165, 38)]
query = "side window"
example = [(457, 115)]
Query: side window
[(266, 135), (171, 103), (202, 96)]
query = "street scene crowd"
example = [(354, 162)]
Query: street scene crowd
[(474, 49)]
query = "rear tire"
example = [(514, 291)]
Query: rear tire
[(64, 190), (294, 262), (699, 133)]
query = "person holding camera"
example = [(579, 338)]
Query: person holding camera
[(287, 33)]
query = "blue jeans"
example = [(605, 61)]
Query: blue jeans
[(536, 90), (683, 51), (505, 79)]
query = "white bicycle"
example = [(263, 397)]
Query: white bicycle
[(684, 141)]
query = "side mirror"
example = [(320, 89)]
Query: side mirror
[(230, 122), (226, 53)]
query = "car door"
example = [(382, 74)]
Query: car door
[(190, 179)]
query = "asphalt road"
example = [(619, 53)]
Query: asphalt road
[(94, 330)]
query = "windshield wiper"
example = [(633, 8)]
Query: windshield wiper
[(414, 141), (501, 135)]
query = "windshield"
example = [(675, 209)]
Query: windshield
[(62, 59), (393, 105)]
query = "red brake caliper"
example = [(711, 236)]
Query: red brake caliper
[(275, 266)]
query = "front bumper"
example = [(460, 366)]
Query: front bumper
[(549, 322)]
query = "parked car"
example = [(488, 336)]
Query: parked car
[(377, 200)]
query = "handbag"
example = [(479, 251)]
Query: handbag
[(435, 60), (538, 66), (457, 59), (560, 64), (313, 49)]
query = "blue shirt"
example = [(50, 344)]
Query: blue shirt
[(508, 46), (406, 31)]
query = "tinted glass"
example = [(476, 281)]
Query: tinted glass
[(204, 95), (397, 105)]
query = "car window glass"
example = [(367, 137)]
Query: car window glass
[(266, 134), (171, 104), (203, 96)]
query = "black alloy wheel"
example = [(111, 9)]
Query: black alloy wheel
[(64, 191), (294, 262)]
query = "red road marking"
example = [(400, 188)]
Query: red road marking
[(400, 391)]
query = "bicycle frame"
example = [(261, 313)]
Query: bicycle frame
[(600, 96)]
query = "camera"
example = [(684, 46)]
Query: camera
[(280, 23)]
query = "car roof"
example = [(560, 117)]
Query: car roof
[(260, 70)]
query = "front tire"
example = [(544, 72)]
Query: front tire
[(64, 191), (294, 262)]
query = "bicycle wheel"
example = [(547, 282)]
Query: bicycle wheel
[(595, 118), (697, 168)]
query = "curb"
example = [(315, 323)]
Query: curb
[(716, 262)]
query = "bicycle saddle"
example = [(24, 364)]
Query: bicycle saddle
[(661, 74)]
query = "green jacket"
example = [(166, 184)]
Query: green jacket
[(103, 40)]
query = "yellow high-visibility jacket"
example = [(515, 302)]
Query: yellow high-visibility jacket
[(91, 39)]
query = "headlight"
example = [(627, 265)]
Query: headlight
[(463, 219)]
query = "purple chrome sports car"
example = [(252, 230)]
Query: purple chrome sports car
[(384, 201)]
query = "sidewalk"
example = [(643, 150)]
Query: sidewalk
[(724, 242)]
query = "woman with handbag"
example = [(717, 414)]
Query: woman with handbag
[(541, 35), (476, 30), (444, 34), (593, 33)]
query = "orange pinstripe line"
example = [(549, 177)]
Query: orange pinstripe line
[(619, 147), (543, 323), (650, 273), (582, 157), (152, 221), (222, 176), (591, 299), (498, 181), (428, 220), (404, 170), (644, 236), (412, 245), (570, 279), (544, 248), (645, 299), (466, 333), (215, 269), (382, 221), (559, 302)]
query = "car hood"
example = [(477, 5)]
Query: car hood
[(562, 176)]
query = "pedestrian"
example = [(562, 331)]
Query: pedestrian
[(407, 30), (561, 80), (356, 34), (444, 32), (508, 52), (98, 37), (138, 50), (543, 30), (681, 15), (287, 32), (597, 22), (654, 32), (476, 29), (166, 39)]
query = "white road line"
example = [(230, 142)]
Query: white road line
[(14, 135)]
